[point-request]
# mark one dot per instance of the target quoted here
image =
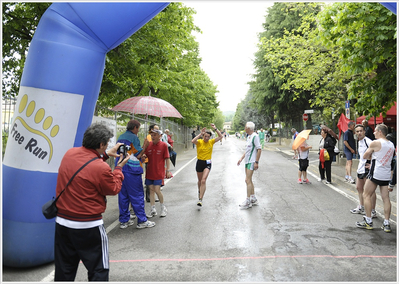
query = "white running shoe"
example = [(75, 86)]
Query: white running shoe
[(126, 224), (146, 224), (152, 213), (246, 204), (164, 212)]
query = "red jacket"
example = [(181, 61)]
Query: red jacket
[(85, 197)]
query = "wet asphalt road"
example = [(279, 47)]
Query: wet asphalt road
[(297, 233)]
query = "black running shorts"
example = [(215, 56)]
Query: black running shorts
[(202, 165)]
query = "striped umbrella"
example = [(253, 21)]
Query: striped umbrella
[(148, 105)]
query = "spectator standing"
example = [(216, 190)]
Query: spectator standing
[(132, 188), (349, 150), (362, 171), (193, 136), (252, 155), (391, 136), (327, 143), (293, 130), (158, 156), (204, 158), (368, 130), (261, 135), (303, 161), (79, 228), (381, 152)]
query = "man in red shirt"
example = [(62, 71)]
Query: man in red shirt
[(158, 155), (79, 228)]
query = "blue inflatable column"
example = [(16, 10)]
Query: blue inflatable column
[(58, 93)]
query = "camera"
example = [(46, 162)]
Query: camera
[(123, 150)]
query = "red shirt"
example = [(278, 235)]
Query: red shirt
[(157, 154), (84, 198)]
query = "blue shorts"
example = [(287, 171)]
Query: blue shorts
[(348, 155), (153, 182)]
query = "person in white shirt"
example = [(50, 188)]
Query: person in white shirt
[(303, 161), (363, 170), (381, 152), (252, 156)]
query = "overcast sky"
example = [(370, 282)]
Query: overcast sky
[(228, 43)]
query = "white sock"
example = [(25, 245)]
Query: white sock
[(369, 220), (386, 222)]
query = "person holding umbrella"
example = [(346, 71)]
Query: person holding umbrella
[(303, 153), (204, 156)]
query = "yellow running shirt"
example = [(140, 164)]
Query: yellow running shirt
[(204, 150)]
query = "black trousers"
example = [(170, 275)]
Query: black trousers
[(326, 170), (89, 245)]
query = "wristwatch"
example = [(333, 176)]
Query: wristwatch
[(257, 162)]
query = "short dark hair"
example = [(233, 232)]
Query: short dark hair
[(208, 132), (151, 127), (359, 125), (132, 124), (96, 134)]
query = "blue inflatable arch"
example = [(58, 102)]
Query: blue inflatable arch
[(58, 92)]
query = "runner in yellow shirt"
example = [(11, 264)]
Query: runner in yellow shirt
[(204, 156)]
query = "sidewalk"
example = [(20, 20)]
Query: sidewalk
[(337, 176)]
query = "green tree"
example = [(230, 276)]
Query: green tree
[(162, 59), (271, 93), (19, 24), (365, 34), (307, 67)]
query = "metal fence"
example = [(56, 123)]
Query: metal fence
[(7, 112), (180, 134)]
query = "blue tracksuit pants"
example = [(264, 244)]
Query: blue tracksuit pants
[(132, 192)]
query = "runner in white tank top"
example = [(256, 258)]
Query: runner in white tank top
[(381, 152)]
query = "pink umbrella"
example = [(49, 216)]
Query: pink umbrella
[(148, 105)]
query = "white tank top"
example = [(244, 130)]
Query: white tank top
[(381, 161), (362, 148)]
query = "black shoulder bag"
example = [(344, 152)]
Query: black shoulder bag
[(49, 209)]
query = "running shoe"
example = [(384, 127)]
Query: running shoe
[(386, 228), (199, 203), (358, 210), (126, 224), (307, 181), (146, 224), (327, 182), (246, 204), (254, 201), (164, 212), (132, 215), (351, 181), (364, 224), (152, 213), (299, 181), (373, 214), (391, 186), (320, 179)]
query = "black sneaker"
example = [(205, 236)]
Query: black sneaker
[(386, 228), (364, 224)]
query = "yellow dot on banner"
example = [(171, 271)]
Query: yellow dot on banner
[(47, 123), (54, 130), (39, 115), (23, 103), (31, 108)]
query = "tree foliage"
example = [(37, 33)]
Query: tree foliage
[(161, 59), (365, 34), (19, 24)]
